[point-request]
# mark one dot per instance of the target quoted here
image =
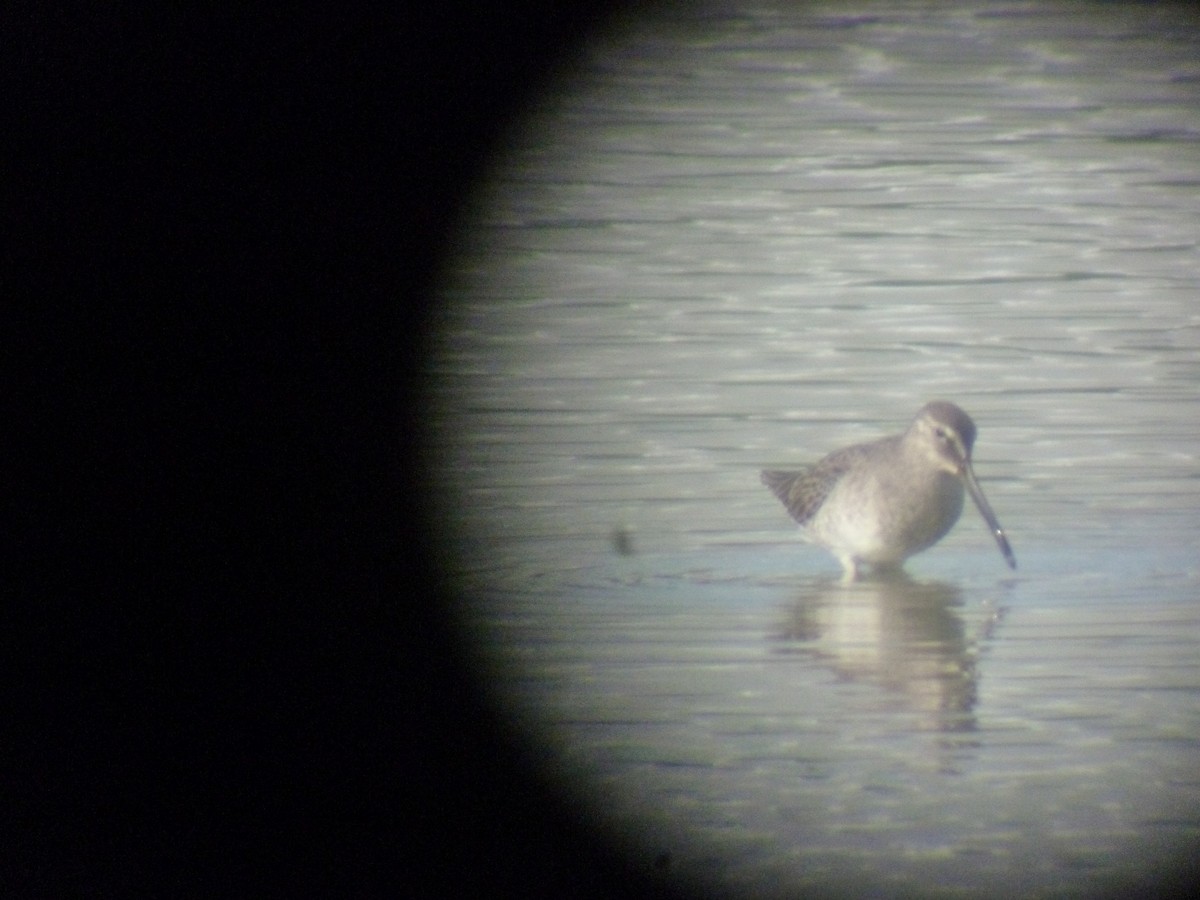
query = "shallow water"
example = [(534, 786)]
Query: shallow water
[(742, 237)]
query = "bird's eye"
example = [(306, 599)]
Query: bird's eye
[(940, 432)]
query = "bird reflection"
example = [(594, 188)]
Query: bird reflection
[(903, 635)]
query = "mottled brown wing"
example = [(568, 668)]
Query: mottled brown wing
[(802, 493)]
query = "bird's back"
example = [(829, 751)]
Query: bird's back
[(803, 492)]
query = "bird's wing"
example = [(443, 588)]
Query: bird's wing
[(803, 492)]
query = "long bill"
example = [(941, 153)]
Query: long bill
[(985, 510)]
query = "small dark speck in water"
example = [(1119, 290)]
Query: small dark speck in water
[(622, 540)]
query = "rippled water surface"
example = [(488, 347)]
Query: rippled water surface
[(737, 237)]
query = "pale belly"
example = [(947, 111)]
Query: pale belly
[(884, 524)]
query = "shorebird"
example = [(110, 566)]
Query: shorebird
[(877, 504)]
